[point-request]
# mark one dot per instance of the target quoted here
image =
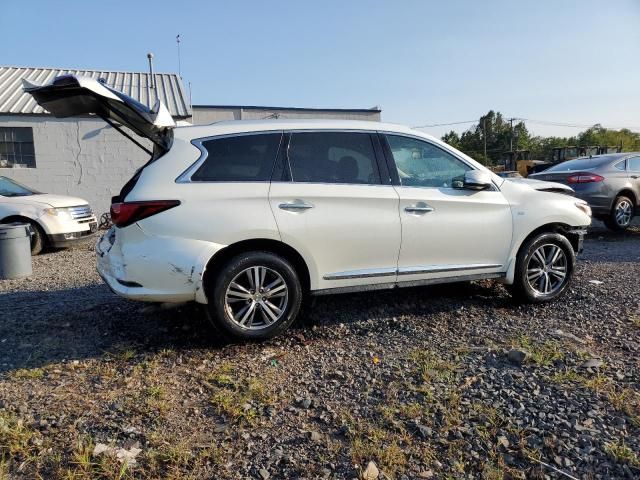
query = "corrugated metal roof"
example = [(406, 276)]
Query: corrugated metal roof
[(135, 84)]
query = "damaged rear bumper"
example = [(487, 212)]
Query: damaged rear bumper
[(151, 268)]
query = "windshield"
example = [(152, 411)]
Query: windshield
[(579, 164), (9, 188)]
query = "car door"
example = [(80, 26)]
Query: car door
[(446, 231), (633, 166), (333, 204)]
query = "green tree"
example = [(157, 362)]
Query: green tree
[(496, 131)]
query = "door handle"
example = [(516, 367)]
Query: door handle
[(418, 209), (298, 205), (634, 176)]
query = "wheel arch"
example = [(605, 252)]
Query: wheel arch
[(553, 227), (261, 244), (626, 192)]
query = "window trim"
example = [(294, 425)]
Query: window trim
[(628, 165), (394, 169), (33, 143), (185, 176), (624, 162), (376, 150)]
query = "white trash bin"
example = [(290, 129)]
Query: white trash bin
[(15, 251)]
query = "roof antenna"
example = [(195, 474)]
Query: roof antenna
[(152, 83), (179, 66)]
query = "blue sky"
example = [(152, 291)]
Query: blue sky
[(422, 62)]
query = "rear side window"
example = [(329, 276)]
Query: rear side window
[(333, 157), (244, 158), (634, 164)]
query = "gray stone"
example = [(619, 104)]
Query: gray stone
[(264, 474), (592, 363), (517, 357), (371, 472)]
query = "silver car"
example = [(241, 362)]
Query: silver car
[(609, 183)]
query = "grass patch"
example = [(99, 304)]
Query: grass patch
[(15, 438), (176, 459), (625, 400), (29, 373), (369, 442), (542, 353), (156, 392), (238, 397), (620, 452), (431, 367)]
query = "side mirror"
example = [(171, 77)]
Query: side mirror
[(477, 180)]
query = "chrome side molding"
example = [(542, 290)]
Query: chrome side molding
[(416, 270)]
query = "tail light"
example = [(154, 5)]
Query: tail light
[(127, 213), (584, 178)]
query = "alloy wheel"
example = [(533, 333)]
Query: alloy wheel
[(256, 298), (623, 213), (547, 269)]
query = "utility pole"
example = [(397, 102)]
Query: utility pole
[(484, 136), (179, 66), (511, 135)]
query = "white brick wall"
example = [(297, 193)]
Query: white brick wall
[(82, 157)]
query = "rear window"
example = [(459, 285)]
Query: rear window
[(243, 158), (580, 164)]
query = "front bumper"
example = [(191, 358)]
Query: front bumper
[(60, 240), (576, 236)]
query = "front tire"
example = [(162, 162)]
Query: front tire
[(256, 296), (544, 268), (621, 214), (37, 238)]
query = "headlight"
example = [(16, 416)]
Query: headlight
[(584, 206), (61, 213)]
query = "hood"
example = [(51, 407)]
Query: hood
[(53, 200), (543, 186)]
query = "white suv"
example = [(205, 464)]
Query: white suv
[(246, 217)]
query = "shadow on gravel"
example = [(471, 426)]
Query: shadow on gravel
[(43, 327), (399, 302)]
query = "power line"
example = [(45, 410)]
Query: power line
[(551, 123), (445, 124)]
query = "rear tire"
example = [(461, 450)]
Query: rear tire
[(621, 214), (544, 268), (255, 296)]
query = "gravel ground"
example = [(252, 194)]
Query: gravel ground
[(442, 382)]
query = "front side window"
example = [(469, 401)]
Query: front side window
[(634, 164), (244, 158), (16, 147), (333, 157), (422, 164)]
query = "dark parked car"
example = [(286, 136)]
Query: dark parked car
[(609, 183)]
